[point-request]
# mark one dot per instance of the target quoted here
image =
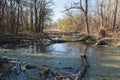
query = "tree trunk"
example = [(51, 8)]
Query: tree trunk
[(87, 24), (2, 15), (43, 17), (101, 11), (12, 18), (86, 17), (115, 15), (85, 11), (31, 16), (36, 19), (17, 27)]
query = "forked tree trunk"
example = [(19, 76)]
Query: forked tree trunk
[(85, 11)]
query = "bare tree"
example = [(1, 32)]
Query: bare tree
[(36, 14), (31, 16), (84, 9), (101, 14), (20, 15), (115, 15), (2, 11)]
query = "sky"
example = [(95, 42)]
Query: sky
[(59, 8)]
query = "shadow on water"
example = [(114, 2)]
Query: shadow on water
[(104, 61)]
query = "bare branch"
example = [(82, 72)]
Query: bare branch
[(74, 7)]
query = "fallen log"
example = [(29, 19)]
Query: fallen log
[(84, 70), (101, 42)]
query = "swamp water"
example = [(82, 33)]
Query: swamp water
[(104, 61)]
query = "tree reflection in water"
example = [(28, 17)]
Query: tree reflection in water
[(35, 48)]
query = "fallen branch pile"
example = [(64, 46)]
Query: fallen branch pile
[(54, 74), (21, 37), (9, 67)]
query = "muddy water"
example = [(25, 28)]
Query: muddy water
[(104, 61)]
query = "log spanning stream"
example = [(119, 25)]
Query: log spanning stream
[(61, 61)]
